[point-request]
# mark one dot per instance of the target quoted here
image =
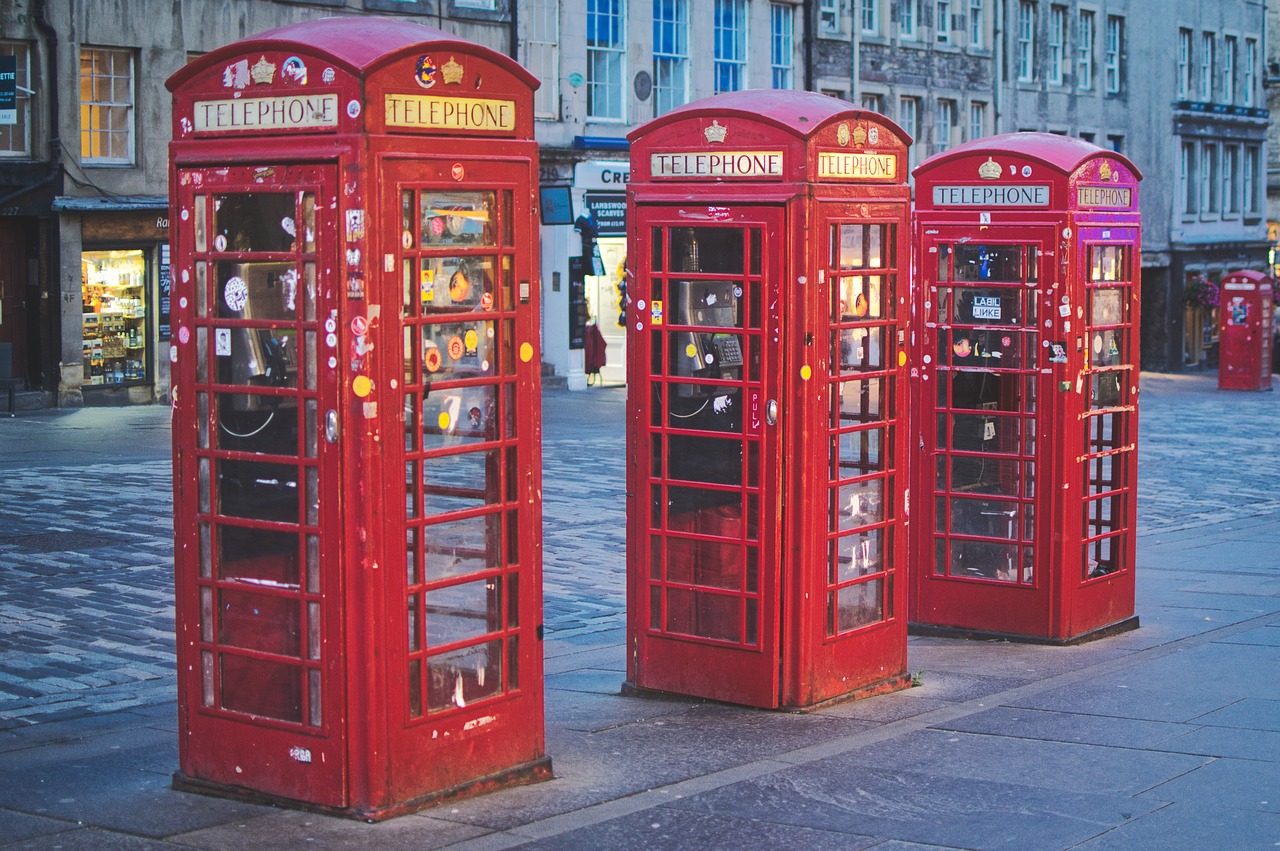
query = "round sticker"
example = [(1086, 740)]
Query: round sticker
[(186, 275), (457, 172), (333, 362), (330, 325), (184, 334), (1097, 344), (709, 358), (455, 347), (1006, 341), (484, 365), (288, 226), (691, 350), (353, 108), (182, 302), (406, 239), (962, 348), (902, 359), (173, 355), (327, 75), (640, 304), (486, 301), (220, 242), (236, 294), (443, 420), (362, 386), (359, 325), (471, 340), (805, 372), (331, 340), (526, 352), (860, 305), (431, 359), (185, 214)]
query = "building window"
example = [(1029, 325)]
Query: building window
[(1187, 177), (977, 120), (1230, 178), (606, 51), (1057, 43), (909, 120), (977, 23), (1026, 41), (1084, 53), (106, 105), (944, 129), (942, 21), (670, 54), (1209, 177), (869, 17), (782, 50), (731, 45), (1184, 64), (908, 19), (1206, 67), (1115, 142), (1115, 46), (15, 134), (1250, 81), (1249, 180), (872, 102), (1229, 69), (829, 17), (542, 55)]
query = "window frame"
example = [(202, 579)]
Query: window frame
[(1184, 63), (977, 119), (542, 56), (909, 20), (1205, 90), (782, 45), (1114, 60), (22, 102), (671, 49), (1025, 35), (733, 64), (611, 51), (942, 22), (977, 24), (1248, 93), (97, 107), (1086, 22), (869, 17), (1227, 69), (1057, 44)]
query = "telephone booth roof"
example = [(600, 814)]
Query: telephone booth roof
[(1251, 276), (802, 114), (358, 43), (1063, 153)]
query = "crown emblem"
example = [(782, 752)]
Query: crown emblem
[(716, 132), (1104, 171), (452, 71), (842, 135), (989, 170), (859, 135), (263, 71)]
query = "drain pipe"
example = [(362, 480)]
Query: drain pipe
[(51, 356)]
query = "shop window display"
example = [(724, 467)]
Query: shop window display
[(114, 296)]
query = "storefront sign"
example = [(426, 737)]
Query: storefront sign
[(1104, 196), (729, 164), (609, 209), (1013, 195), (446, 113), (166, 294), (838, 165), (291, 112), (8, 90)]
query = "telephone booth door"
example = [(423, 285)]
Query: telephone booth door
[(708, 487), (260, 480), (982, 465)]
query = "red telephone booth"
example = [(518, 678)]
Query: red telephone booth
[(1244, 331), (1027, 253), (768, 329), (356, 418)]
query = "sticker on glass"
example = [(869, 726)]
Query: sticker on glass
[(236, 294)]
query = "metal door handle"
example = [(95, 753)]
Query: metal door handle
[(331, 426), (771, 412)]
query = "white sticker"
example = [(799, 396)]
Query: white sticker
[(236, 294), (173, 354), (222, 342), (1064, 310), (220, 242), (331, 340), (333, 362)]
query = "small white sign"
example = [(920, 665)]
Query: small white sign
[(986, 307), (222, 342)]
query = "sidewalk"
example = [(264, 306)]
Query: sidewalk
[(1167, 737)]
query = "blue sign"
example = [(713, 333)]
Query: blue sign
[(8, 90)]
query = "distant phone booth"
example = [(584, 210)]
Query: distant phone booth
[(1027, 257), (767, 342), (356, 418), (1245, 331)]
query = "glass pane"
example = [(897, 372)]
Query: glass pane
[(859, 297), (260, 556), (985, 560), (859, 504), (706, 249), (456, 283), (457, 218), (457, 350), (259, 622), (462, 612), (986, 306), (459, 416), (257, 490), (460, 547), (459, 482), (859, 605), (988, 263), (862, 400), (703, 613), (257, 290), (254, 222), (987, 518), (859, 555), (1106, 306), (990, 349), (257, 687), (861, 349), (464, 676)]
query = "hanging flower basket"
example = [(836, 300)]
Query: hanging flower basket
[(1201, 292)]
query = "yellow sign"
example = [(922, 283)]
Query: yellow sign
[(721, 164), (841, 165), (1104, 196), (291, 112), (484, 115)]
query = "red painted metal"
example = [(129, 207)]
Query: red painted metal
[(1024, 487), (357, 421), (766, 434), (1245, 332)]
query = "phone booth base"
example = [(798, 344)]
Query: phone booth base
[(1126, 625), (1024, 489), (766, 434), (1245, 331), (357, 419), (521, 775)]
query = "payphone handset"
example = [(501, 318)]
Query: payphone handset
[(708, 353), (260, 357)]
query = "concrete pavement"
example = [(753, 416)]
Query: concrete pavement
[(1167, 737)]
